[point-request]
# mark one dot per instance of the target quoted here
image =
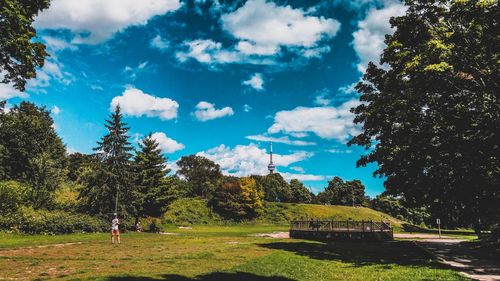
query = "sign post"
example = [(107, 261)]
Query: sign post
[(438, 221)]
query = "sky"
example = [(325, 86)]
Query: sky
[(221, 79)]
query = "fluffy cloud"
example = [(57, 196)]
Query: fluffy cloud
[(55, 110), (135, 102), (322, 98), (8, 92), (326, 122), (206, 111), (55, 44), (285, 140), (167, 145), (133, 71), (256, 81), (247, 108), (94, 21), (159, 43), (369, 38), (245, 160), (262, 30), (263, 27)]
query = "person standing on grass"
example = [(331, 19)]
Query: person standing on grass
[(115, 231)]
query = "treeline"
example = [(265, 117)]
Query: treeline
[(42, 189)]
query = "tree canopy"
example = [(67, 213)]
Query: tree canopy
[(20, 54), (432, 115), (201, 173), (340, 192), (33, 153)]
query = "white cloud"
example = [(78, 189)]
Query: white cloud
[(56, 44), (322, 98), (326, 122), (264, 27), (206, 111), (95, 21), (167, 145), (303, 177), (263, 30), (133, 71), (245, 160), (55, 110), (339, 151), (135, 102), (369, 38), (256, 81), (285, 140), (7, 91), (298, 169), (159, 43), (247, 108)]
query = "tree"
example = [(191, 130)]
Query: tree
[(340, 192), (433, 115), (32, 152), (150, 171), (76, 162), (112, 176), (201, 173), (20, 54), (276, 189), (300, 194), (238, 198), (395, 206)]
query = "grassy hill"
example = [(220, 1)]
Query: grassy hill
[(195, 211)]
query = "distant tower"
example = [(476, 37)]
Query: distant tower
[(271, 166)]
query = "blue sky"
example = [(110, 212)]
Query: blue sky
[(220, 79)]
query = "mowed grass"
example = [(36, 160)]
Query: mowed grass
[(212, 253)]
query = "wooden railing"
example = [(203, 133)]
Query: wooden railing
[(341, 226)]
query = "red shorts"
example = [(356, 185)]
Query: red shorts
[(115, 232)]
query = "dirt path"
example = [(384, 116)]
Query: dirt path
[(452, 253)]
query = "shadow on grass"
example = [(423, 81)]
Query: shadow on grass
[(215, 276), (360, 253)]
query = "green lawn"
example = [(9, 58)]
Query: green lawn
[(212, 253)]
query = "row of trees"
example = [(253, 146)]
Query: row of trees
[(138, 179)]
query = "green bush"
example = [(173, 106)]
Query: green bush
[(30, 221), (150, 224), (12, 196), (187, 211), (66, 197)]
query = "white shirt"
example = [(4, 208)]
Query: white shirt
[(114, 224)]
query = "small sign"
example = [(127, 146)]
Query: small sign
[(438, 221)]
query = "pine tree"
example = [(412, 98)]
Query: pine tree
[(150, 191), (112, 177)]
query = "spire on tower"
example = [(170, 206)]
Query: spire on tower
[(271, 165)]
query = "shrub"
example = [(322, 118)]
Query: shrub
[(187, 211), (30, 221), (66, 197), (12, 196), (151, 224)]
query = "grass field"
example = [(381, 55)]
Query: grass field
[(211, 253)]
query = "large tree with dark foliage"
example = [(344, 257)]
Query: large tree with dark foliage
[(202, 174), (32, 152), (238, 198), (112, 175), (148, 193), (300, 194), (340, 192), (20, 54), (433, 116), (276, 189)]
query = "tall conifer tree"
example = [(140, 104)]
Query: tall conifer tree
[(113, 176), (150, 172)]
